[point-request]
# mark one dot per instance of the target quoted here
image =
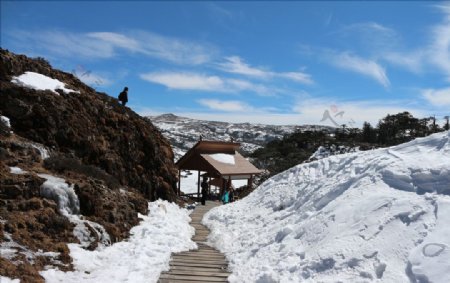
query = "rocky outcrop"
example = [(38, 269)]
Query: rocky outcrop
[(88, 125), (114, 160)]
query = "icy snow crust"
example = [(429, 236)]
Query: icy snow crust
[(40, 82), (380, 215), (163, 231)]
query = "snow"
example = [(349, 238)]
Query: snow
[(5, 121), (9, 249), (69, 205), (141, 258), (17, 170), (42, 150), (4, 279), (379, 215), (189, 182), (40, 82), (223, 158), (58, 190), (323, 152)]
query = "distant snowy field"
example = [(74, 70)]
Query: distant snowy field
[(374, 216)]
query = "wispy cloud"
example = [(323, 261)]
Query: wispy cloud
[(437, 97), (439, 50), (202, 82), (186, 81), (434, 54), (227, 106), (235, 65), (360, 65), (107, 44)]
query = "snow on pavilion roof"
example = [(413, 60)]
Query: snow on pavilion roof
[(217, 157)]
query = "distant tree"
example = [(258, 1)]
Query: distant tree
[(447, 125), (369, 134)]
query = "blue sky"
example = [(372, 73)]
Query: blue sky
[(266, 62)]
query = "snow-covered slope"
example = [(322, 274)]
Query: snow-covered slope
[(374, 216), (183, 132)]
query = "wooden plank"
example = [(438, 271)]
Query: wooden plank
[(198, 261), (202, 265), (201, 254), (197, 268), (199, 257), (177, 281), (193, 278), (199, 273)]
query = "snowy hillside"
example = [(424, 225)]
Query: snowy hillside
[(374, 216), (183, 132)]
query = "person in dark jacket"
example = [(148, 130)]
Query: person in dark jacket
[(204, 190), (123, 96)]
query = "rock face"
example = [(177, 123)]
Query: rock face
[(113, 159), (87, 125)]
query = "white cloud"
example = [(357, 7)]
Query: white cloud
[(439, 50), (227, 106), (434, 54), (235, 65), (109, 44), (202, 82), (437, 97), (362, 66), (412, 61), (186, 81)]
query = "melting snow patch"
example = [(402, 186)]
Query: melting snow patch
[(17, 170), (58, 190), (141, 258), (42, 150), (68, 204), (223, 158), (5, 121), (40, 82)]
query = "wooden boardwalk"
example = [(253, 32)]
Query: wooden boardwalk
[(196, 266)]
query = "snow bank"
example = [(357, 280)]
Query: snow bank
[(40, 82), (378, 215), (163, 231), (4, 279)]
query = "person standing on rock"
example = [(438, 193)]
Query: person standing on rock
[(123, 96), (204, 190)]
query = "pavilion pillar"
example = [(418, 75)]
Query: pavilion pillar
[(198, 186), (179, 183), (250, 182)]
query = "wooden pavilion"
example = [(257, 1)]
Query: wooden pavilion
[(220, 161)]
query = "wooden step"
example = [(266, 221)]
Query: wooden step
[(205, 264)]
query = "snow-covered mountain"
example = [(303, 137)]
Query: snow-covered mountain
[(183, 132), (373, 216)]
